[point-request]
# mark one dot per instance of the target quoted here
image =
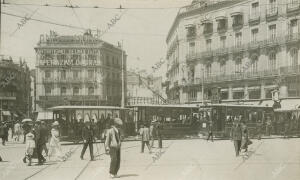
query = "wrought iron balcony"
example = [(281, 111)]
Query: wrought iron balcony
[(286, 71), (294, 37), (254, 19), (272, 14), (293, 8), (192, 56)]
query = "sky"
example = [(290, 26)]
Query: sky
[(143, 27)]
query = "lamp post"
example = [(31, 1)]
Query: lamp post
[(202, 86)]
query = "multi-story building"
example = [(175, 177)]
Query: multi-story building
[(78, 70), (245, 48), (14, 90)]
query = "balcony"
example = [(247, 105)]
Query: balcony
[(293, 9), (59, 98), (207, 54), (292, 38), (192, 56), (62, 80), (272, 14), (254, 45), (254, 19), (286, 71)]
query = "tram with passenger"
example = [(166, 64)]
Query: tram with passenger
[(287, 118), (72, 118), (193, 120)]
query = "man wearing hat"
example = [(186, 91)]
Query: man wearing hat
[(40, 135), (236, 136), (88, 138), (113, 147), (145, 133)]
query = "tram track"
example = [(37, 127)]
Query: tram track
[(81, 171)]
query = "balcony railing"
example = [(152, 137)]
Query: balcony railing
[(59, 98), (293, 7), (62, 80), (294, 37), (254, 18), (272, 13), (286, 71)]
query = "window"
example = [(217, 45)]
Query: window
[(293, 57), (294, 26), (254, 34), (191, 31), (76, 91), (208, 70), (237, 20), (293, 4), (223, 67), (192, 48), (91, 91), (272, 61), (47, 74), (47, 90), (90, 73), (222, 24), (272, 6), (76, 74), (63, 74), (63, 90), (238, 39), (254, 63), (208, 44), (272, 31), (208, 28), (223, 42), (255, 9), (238, 65)]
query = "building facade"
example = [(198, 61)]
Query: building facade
[(144, 89), (78, 70), (15, 96), (247, 49)]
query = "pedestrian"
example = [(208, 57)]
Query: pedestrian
[(5, 137), (30, 146), (88, 138), (236, 136), (113, 147), (159, 128), (286, 128), (40, 141), (26, 128), (259, 128), (210, 131), (268, 126), (18, 131), (145, 137), (54, 145), (44, 137), (245, 137), (1, 159), (2, 133), (151, 129)]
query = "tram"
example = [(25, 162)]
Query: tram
[(287, 117), (71, 118), (193, 119)]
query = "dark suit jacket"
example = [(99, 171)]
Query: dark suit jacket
[(88, 133), (236, 132)]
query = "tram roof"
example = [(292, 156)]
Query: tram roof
[(86, 107), (200, 105)]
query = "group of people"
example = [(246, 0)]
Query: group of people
[(148, 134)]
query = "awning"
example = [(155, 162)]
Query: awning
[(237, 11), (6, 113), (253, 88), (221, 15), (45, 116), (238, 89)]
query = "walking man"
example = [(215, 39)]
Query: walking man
[(113, 147), (88, 138), (145, 133), (40, 141), (236, 136), (151, 129), (210, 132), (159, 128)]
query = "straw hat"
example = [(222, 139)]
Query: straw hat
[(55, 123), (118, 121)]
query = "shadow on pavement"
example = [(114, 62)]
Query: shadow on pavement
[(128, 175)]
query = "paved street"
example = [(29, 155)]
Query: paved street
[(267, 159)]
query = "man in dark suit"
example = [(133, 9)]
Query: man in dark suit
[(210, 131), (113, 147), (40, 138), (145, 137), (159, 128), (88, 138), (236, 136)]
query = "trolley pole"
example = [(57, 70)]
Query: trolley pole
[(1, 25), (202, 86)]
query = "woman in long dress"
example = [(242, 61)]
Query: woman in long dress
[(55, 147), (245, 137), (30, 145)]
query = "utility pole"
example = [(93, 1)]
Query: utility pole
[(202, 85), (122, 75), (1, 25)]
